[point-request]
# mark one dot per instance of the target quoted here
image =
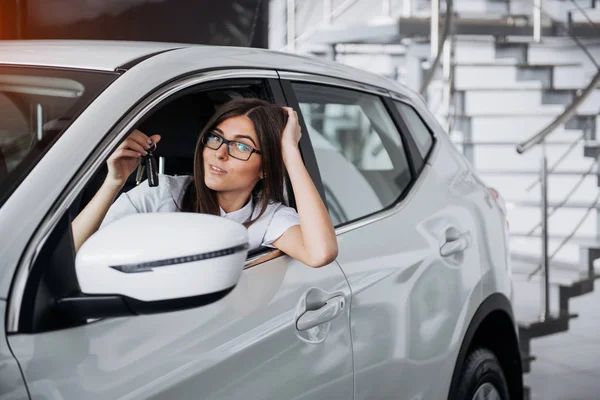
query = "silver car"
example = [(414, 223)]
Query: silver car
[(416, 306)]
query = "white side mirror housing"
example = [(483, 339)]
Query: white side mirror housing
[(159, 262)]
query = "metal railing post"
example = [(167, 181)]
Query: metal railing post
[(447, 76), (291, 26), (537, 21), (545, 294), (407, 8), (327, 11), (386, 8), (435, 27)]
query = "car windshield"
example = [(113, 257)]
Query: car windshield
[(36, 106)]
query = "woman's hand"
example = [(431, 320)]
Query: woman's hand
[(126, 158), (292, 132)]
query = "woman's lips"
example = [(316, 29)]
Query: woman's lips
[(216, 170)]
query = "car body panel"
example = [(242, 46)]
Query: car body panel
[(405, 294), (245, 343), (12, 386), (493, 230), (92, 54)]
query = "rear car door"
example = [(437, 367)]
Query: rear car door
[(407, 241), (248, 345)]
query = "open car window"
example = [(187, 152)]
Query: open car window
[(179, 121), (36, 106)]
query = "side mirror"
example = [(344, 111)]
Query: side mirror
[(151, 263)]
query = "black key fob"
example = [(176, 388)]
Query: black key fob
[(151, 169)]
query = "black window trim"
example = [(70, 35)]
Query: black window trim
[(410, 148), (413, 150), (401, 121), (306, 148)]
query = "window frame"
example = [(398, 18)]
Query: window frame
[(96, 159), (400, 118), (414, 159)]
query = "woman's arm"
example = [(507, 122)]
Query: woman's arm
[(90, 218), (120, 165), (313, 242)]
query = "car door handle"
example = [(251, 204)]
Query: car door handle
[(455, 246), (332, 309)]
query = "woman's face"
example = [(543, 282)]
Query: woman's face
[(225, 174)]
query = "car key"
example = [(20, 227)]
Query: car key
[(151, 167), (148, 165), (139, 175)]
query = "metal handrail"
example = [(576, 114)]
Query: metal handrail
[(559, 120), (560, 159), (587, 17), (438, 57), (567, 238), (567, 197), (562, 118)]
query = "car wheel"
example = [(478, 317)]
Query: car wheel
[(482, 378)]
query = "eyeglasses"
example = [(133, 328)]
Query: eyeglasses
[(238, 150)]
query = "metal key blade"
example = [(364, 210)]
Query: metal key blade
[(140, 171)]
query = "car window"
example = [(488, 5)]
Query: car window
[(36, 105), (419, 131), (358, 148)]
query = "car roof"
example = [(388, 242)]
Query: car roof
[(81, 54), (111, 55)]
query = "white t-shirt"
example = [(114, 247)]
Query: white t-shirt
[(276, 219)]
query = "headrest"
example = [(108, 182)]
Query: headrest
[(179, 123)]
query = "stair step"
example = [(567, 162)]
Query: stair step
[(512, 172), (516, 64), (502, 114), (523, 102), (552, 325), (580, 240), (503, 75), (526, 360), (517, 89), (591, 148), (505, 143), (551, 204), (579, 288), (497, 127), (576, 289), (532, 260)]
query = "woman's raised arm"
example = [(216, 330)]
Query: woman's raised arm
[(120, 165), (313, 242)]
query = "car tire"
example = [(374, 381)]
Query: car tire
[(482, 378)]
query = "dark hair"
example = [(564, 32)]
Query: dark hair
[(269, 121)]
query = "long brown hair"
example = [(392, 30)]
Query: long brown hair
[(269, 121)]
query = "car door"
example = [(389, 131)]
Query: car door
[(251, 344), (406, 240)]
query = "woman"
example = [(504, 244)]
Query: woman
[(238, 173)]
